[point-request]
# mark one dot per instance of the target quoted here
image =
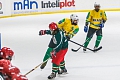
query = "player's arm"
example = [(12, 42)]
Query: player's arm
[(43, 32), (73, 33), (88, 18), (104, 17), (61, 23)]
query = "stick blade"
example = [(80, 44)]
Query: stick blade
[(74, 50), (97, 49)]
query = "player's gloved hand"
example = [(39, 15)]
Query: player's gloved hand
[(69, 36), (85, 29), (42, 32), (101, 25), (53, 54)]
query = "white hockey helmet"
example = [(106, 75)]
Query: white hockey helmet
[(96, 4), (74, 17)]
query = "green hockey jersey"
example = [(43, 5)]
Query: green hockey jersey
[(58, 40)]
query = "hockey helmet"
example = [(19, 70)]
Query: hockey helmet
[(73, 18), (6, 53), (96, 4), (53, 26)]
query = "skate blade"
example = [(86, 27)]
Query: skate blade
[(63, 74), (51, 79)]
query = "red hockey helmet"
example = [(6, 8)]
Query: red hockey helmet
[(4, 49), (6, 53), (53, 26)]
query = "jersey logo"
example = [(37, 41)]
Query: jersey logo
[(54, 40), (97, 20)]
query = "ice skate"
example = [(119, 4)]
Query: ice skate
[(84, 50), (62, 71), (95, 49), (52, 75)]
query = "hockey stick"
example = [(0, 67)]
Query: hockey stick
[(84, 42), (87, 48), (36, 67), (79, 47)]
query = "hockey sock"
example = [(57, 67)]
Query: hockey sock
[(87, 42), (62, 65), (98, 41), (47, 54), (55, 68)]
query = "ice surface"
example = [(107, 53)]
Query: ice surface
[(21, 35)]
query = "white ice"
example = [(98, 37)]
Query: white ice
[(21, 35)]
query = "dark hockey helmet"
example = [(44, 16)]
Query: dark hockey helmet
[(53, 26)]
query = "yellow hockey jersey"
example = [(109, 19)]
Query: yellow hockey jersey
[(95, 18), (66, 25)]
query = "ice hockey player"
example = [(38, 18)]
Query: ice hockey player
[(59, 45), (69, 26), (7, 70), (95, 19)]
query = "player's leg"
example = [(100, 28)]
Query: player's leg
[(62, 68), (47, 55), (54, 71), (55, 65), (62, 65), (62, 62), (56, 62), (98, 39), (90, 34)]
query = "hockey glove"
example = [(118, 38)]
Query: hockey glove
[(101, 25), (53, 54), (69, 36), (42, 32), (85, 29)]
